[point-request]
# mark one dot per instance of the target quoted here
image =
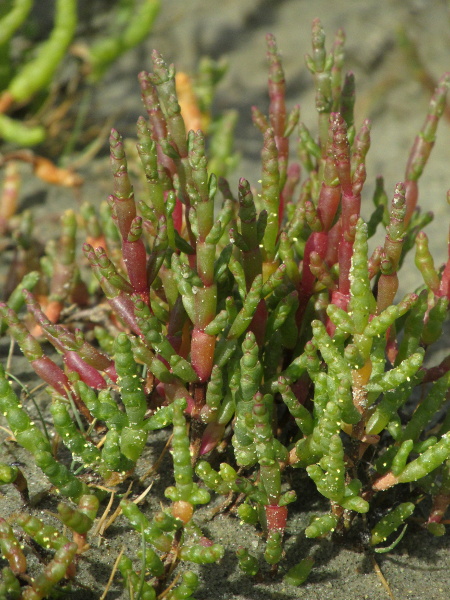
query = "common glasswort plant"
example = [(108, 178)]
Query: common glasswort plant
[(23, 79), (257, 322)]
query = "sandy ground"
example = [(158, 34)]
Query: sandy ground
[(396, 102)]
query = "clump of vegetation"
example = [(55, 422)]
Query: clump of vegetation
[(252, 322), (27, 80)]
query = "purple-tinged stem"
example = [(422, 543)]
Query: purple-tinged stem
[(351, 202), (44, 367), (72, 358), (88, 374), (117, 290), (330, 192), (130, 225)]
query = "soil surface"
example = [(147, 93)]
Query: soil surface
[(390, 93)]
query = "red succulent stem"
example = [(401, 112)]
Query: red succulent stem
[(88, 374), (203, 344), (123, 209), (212, 435), (122, 306), (176, 390), (73, 349), (202, 353), (412, 197), (259, 322), (330, 194), (351, 202), (177, 216), (135, 259), (117, 289), (317, 242), (334, 235), (345, 253), (51, 374), (276, 517), (123, 212), (177, 322), (386, 291), (44, 366)]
